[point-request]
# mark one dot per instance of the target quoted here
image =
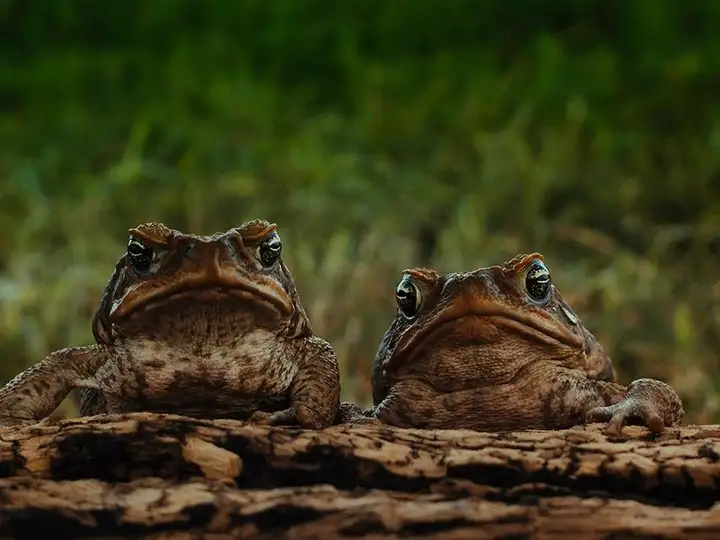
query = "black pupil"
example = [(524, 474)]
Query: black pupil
[(140, 256), (270, 251), (537, 282), (406, 298)]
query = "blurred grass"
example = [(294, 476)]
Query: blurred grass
[(378, 136)]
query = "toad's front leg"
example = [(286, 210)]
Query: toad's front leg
[(315, 389), (648, 402), (36, 392)]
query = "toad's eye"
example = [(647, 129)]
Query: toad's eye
[(537, 281), (269, 251), (141, 256), (408, 297)]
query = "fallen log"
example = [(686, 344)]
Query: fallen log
[(156, 507), (169, 476)]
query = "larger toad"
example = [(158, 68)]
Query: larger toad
[(208, 326), (499, 349)]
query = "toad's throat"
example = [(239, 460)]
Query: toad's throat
[(243, 298), (490, 325)]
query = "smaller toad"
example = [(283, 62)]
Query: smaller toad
[(498, 349)]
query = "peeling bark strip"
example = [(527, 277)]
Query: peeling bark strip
[(150, 474)]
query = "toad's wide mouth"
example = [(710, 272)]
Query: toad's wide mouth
[(240, 295), (492, 322)]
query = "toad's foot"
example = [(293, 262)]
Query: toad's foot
[(292, 416), (649, 402), (349, 413)]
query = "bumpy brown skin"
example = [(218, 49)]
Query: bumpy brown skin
[(480, 352), (207, 326)]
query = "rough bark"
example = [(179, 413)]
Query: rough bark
[(169, 476)]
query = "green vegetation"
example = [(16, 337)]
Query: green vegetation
[(379, 136)]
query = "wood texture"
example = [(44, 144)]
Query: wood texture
[(163, 476)]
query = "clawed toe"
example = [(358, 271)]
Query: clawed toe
[(283, 418), (598, 414), (624, 414), (349, 413), (259, 417), (655, 423), (279, 418)]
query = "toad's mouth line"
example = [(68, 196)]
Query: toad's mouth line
[(502, 322), (246, 294)]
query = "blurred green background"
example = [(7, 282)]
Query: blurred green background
[(379, 136)]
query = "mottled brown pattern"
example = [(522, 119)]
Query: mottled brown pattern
[(210, 326), (499, 349)]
